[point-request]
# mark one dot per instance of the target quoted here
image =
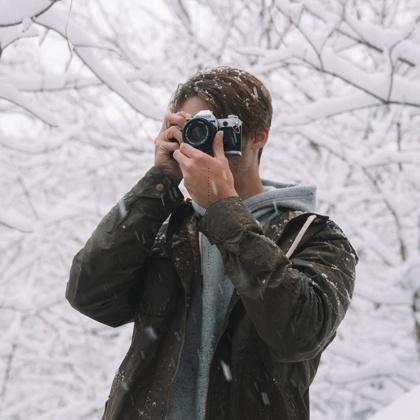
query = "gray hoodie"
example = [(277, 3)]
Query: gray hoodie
[(209, 304)]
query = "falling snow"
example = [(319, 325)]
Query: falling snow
[(226, 371), (80, 105)]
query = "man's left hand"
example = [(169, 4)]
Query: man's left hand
[(207, 178)]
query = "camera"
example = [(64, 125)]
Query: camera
[(199, 131)]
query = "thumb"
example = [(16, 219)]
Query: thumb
[(218, 149)]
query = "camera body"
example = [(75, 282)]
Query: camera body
[(199, 131)]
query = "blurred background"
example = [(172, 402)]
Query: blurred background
[(83, 88)]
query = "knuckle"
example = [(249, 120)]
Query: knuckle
[(165, 121), (201, 159), (167, 133), (174, 130)]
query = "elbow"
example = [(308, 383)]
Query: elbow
[(95, 304), (299, 350), (72, 294), (85, 287), (83, 298), (302, 342), (75, 299), (79, 299), (105, 312)]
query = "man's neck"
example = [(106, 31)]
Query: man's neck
[(248, 186)]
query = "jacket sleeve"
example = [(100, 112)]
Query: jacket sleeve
[(295, 304), (106, 274)]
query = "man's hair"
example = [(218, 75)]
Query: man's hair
[(229, 90)]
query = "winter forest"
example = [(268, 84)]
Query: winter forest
[(83, 89)]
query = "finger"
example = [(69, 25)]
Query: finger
[(191, 151), (180, 157), (167, 147), (218, 148), (187, 115), (173, 119), (171, 133)]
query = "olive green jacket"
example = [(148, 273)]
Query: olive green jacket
[(141, 265)]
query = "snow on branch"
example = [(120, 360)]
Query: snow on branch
[(84, 47), (369, 34), (354, 157), (9, 35), (329, 107), (15, 12), (13, 220), (55, 82), (390, 89), (315, 46), (9, 93)]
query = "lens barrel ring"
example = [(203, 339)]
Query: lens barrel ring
[(198, 132)]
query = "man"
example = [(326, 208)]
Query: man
[(234, 292)]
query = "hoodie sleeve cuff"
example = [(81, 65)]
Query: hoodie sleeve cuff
[(225, 219)]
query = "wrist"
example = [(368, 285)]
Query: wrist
[(174, 178), (224, 219), (226, 194)]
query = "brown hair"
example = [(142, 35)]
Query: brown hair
[(229, 90)]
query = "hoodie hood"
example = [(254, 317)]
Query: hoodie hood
[(277, 196)]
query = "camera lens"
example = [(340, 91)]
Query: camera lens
[(196, 132)]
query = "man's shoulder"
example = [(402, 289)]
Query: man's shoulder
[(330, 232), (297, 218), (292, 220), (315, 227)]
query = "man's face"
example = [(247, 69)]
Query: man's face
[(239, 165)]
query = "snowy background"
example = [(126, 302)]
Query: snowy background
[(83, 87)]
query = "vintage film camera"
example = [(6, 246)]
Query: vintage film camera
[(199, 132)]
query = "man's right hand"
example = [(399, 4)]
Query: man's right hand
[(167, 141)]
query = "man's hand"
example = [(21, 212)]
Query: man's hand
[(167, 141), (208, 179)]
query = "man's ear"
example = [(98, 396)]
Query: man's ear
[(259, 139)]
